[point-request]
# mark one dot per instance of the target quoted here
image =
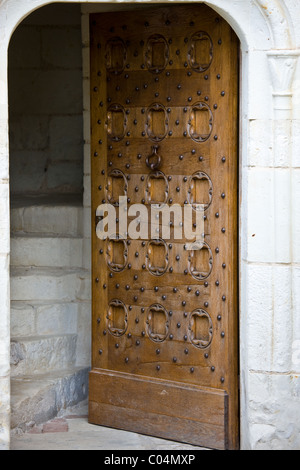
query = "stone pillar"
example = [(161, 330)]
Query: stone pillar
[(4, 258)]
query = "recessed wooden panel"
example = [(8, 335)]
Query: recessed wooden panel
[(164, 120), (201, 262), (200, 191), (116, 186), (200, 329), (116, 255), (157, 323), (157, 122), (157, 189), (201, 122), (117, 318), (115, 55), (116, 122), (157, 258), (201, 51)]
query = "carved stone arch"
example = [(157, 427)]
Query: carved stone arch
[(276, 15), (279, 21)]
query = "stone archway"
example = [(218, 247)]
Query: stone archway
[(268, 251)]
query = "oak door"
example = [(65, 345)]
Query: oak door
[(164, 120)]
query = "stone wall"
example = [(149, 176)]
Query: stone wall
[(45, 95)]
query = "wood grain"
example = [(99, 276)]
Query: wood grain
[(164, 83)]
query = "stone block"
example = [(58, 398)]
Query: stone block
[(85, 63), (283, 319), (87, 222), (49, 284), (258, 327), (283, 143), (83, 351), (4, 412), (260, 105), (46, 251), (28, 133), (260, 215), (282, 216), (56, 319), (296, 307), (87, 159), (4, 316), (273, 411), (4, 219), (28, 171), (4, 160), (296, 214), (57, 14), (61, 47), (87, 250), (260, 143), (50, 219), (66, 138), (53, 91), (65, 176), (22, 319), (87, 191), (37, 399), (25, 48), (56, 425), (296, 142), (34, 355)]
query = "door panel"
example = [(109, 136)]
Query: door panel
[(164, 119)]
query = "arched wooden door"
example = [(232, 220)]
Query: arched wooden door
[(164, 99)]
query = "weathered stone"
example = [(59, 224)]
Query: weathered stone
[(34, 355), (50, 219), (39, 398), (42, 251)]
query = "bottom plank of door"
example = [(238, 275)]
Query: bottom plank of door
[(165, 409)]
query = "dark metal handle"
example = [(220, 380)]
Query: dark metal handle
[(154, 165)]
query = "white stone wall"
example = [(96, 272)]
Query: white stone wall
[(269, 212)]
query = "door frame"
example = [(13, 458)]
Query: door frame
[(100, 375)]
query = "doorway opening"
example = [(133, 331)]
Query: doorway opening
[(50, 298)]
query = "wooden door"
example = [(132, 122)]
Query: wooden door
[(164, 100)]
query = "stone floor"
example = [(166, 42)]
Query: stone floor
[(71, 431)]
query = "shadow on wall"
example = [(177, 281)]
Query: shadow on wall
[(46, 104)]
